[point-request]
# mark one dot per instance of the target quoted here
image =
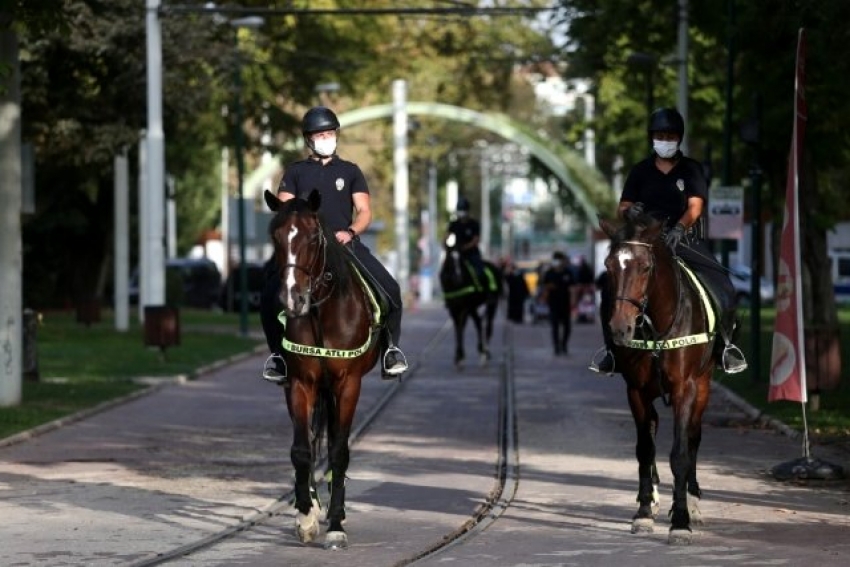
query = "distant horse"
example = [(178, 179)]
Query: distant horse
[(663, 327), (329, 343), (464, 296)]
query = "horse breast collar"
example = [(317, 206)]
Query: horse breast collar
[(688, 340), (326, 352)]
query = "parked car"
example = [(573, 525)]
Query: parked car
[(230, 299), (190, 282), (741, 277)]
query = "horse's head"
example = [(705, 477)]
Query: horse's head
[(631, 264), (451, 273), (300, 249)]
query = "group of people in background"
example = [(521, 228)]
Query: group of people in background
[(560, 287)]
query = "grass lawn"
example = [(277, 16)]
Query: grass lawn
[(831, 420), (81, 366)]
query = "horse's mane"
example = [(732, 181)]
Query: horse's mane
[(634, 229), (338, 259)]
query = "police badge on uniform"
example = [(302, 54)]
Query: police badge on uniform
[(680, 183), (340, 183)]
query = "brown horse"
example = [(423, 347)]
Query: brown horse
[(329, 343), (664, 331)]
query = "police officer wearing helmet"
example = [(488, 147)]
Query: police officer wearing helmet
[(347, 208), (467, 233), (672, 188)]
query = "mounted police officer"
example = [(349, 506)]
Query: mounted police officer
[(347, 209), (672, 188), (467, 231)]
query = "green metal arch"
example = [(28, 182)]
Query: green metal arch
[(587, 185), (496, 123)]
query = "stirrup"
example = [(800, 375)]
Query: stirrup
[(272, 374), (598, 357), (398, 369), (737, 364)]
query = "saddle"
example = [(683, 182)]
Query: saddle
[(486, 283), (714, 299), (379, 298)]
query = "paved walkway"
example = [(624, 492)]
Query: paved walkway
[(191, 459)]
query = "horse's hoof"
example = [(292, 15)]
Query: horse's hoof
[(680, 537), (694, 511), (336, 540), (307, 525), (643, 525)]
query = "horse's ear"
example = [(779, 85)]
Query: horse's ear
[(314, 200), (607, 227), (271, 200)]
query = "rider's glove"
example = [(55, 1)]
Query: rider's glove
[(675, 236), (634, 211)]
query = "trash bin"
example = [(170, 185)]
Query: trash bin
[(88, 311), (30, 353), (162, 326)]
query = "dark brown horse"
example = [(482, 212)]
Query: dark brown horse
[(465, 297), (329, 343), (664, 332)]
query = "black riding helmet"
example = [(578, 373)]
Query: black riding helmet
[(666, 120), (319, 119), (463, 204)]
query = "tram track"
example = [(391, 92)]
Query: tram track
[(507, 467), (495, 503)]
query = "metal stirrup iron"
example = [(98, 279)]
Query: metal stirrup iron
[(271, 372)]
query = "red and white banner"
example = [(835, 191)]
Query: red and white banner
[(788, 362)]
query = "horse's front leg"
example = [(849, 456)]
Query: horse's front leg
[(646, 424), (300, 402), (682, 466), (339, 431), (694, 440), (483, 353), (459, 318)]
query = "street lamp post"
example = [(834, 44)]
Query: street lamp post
[(251, 22), (646, 62)]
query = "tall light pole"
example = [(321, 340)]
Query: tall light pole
[(250, 22), (152, 275), (683, 92)]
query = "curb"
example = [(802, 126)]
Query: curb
[(753, 413), (154, 384)]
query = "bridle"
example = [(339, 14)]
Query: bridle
[(643, 319), (314, 283)]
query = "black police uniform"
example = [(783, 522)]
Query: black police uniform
[(665, 196), (337, 182), (559, 283), (466, 230)]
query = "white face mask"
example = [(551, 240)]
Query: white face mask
[(664, 148), (325, 147)]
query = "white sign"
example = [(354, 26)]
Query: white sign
[(726, 212)]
